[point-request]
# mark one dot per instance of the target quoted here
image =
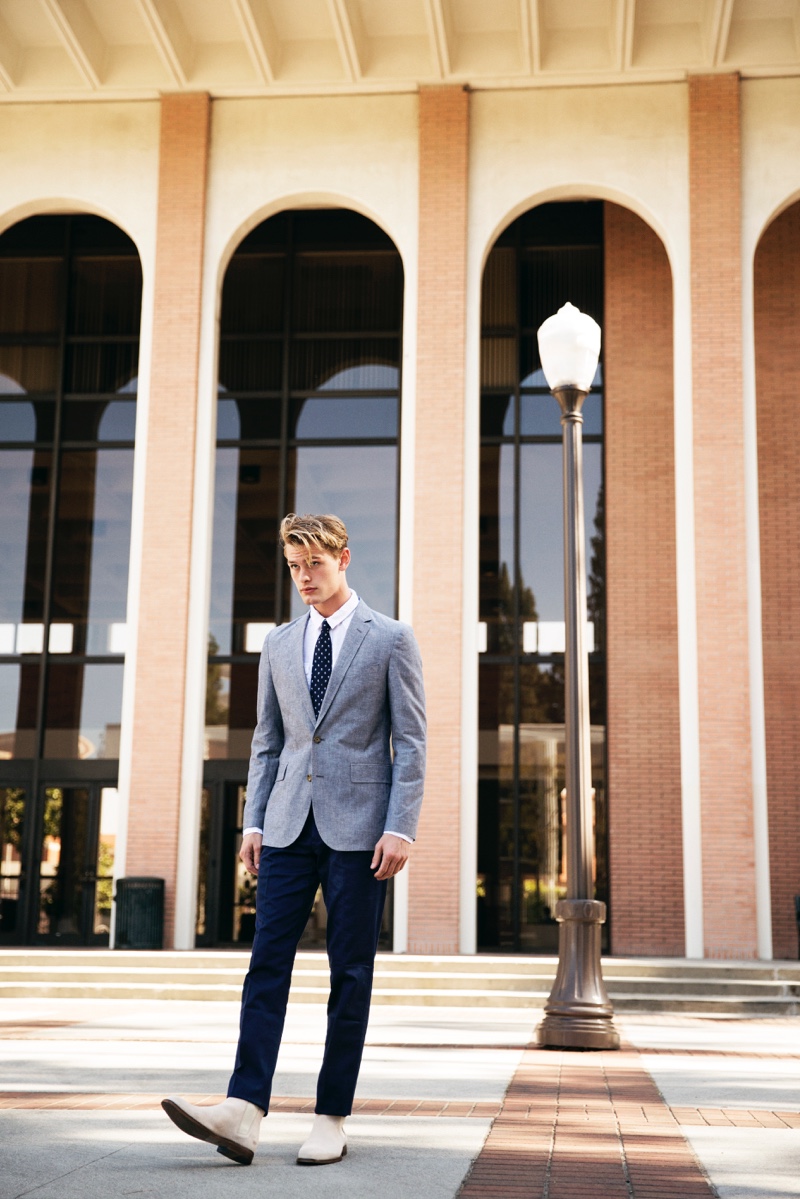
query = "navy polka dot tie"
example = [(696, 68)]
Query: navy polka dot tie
[(321, 666)]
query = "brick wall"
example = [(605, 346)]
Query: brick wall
[(716, 279), (161, 657), (644, 770), (777, 320), (438, 515)]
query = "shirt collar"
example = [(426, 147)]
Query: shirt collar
[(347, 609)]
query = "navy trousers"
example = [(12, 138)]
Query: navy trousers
[(287, 883)]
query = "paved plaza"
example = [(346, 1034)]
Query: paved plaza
[(450, 1102)]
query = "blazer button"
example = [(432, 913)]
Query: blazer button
[(317, 740), (308, 776)]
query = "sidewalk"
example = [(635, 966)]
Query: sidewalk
[(450, 1103)]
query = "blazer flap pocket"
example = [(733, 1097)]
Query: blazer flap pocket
[(370, 772)]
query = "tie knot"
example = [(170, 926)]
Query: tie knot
[(325, 627)]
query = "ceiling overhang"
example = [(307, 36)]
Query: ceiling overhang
[(125, 49)]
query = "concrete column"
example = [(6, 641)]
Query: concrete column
[(160, 670), (433, 921), (726, 786)]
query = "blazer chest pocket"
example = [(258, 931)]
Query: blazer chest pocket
[(281, 772), (370, 772)]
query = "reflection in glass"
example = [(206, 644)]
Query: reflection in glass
[(497, 554), (246, 365), (104, 868), (103, 367), (231, 690), (497, 415), (244, 550), (352, 364), (541, 517), (201, 928), (25, 487), (252, 295), (92, 540), (359, 483), (19, 690), (17, 421), (12, 818), (83, 710), (62, 862), (343, 419), (105, 296), (28, 369), (347, 292), (30, 300), (99, 420), (540, 415)]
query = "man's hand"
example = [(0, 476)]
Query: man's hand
[(391, 855), (251, 851)]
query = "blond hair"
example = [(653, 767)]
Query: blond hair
[(326, 532)]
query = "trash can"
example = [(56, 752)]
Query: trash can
[(140, 913)]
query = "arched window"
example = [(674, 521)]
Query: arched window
[(70, 303), (308, 421), (550, 255)]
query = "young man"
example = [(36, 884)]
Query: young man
[(333, 797)]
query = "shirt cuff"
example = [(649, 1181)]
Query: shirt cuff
[(245, 831), (388, 833)]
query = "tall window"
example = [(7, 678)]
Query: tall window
[(308, 421), (551, 255), (308, 411), (70, 301)]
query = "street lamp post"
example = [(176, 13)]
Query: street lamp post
[(578, 1013)]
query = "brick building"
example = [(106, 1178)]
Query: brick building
[(260, 256)]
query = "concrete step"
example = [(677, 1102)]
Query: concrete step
[(648, 984), (422, 997), (483, 965), (95, 976)]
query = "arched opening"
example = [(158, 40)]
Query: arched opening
[(549, 255), (605, 260), (308, 420), (70, 310), (777, 313)]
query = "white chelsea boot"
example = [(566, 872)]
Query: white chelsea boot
[(232, 1125), (326, 1143)]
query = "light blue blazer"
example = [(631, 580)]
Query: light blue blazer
[(361, 763)]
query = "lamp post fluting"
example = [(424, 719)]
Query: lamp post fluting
[(578, 1013)]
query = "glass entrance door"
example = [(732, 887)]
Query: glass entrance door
[(12, 827), (226, 913), (76, 862)]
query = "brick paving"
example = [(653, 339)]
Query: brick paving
[(585, 1126)]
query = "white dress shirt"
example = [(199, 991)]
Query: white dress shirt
[(338, 624)]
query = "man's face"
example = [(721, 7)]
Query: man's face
[(320, 581)]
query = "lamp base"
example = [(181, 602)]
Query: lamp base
[(578, 1014)]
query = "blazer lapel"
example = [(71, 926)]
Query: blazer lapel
[(295, 649), (359, 627)]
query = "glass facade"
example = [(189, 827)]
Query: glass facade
[(307, 421), (550, 255), (70, 303)]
